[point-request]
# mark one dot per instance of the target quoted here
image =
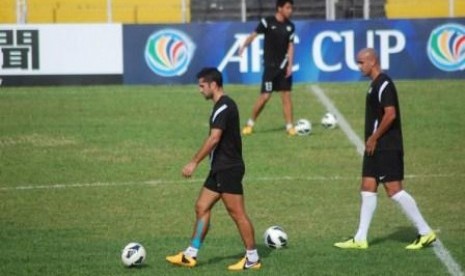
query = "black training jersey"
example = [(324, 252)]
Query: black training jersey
[(228, 151), (278, 35), (383, 93)]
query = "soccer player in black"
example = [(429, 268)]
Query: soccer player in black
[(383, 158), (278, 59), (224, 145)]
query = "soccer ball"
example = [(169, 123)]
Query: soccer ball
[(303, 127), (275, 237), (329, 120), (133, 254)]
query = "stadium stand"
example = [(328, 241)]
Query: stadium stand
[(213, 10), (352, 9), (423, 9), (7, 11), (95, 11), (159, 11), (41, 11), (162, 11)]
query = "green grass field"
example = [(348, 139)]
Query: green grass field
[(86, 170)]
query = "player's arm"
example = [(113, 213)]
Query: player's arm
[(290, 59), (246, 43), (208, 145), (386, 122)]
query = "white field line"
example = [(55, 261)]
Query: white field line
[(341, 121), (446, 258), (200, 180), (439, 249)]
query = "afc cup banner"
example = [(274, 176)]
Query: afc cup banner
[(324, 50)]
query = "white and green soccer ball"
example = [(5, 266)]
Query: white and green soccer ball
[(133, 254), (303, 127), (329, 120), (275, 237)]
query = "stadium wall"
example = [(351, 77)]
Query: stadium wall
[(173, 53)]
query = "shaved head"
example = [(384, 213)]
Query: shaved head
[(369, 54), (368, 62)]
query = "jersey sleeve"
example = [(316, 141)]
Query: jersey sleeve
[(388, 95), (220, 117), (292, 34), (262, 26)]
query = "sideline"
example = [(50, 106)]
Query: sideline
[(439, 249)]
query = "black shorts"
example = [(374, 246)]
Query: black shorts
[(226, 181), (385, 166), (274, 79)]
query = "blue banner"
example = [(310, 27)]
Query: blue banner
[(324, 50)]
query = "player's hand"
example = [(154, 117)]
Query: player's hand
[(189, 169), (288, 71), (370, 145)]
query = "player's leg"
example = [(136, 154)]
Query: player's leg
[(367, 210), (233, 199), (207, 198), (369, 200), (284, 85), (259, 105), (287, 112), (234, 204), (205, 201), (256, 110), (392, 172), (265, 95), (407, 203)]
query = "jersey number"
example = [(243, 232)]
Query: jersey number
[(268, 86)]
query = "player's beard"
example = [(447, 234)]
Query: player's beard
[(208, 96)]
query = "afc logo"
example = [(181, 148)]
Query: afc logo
[(20, 49)]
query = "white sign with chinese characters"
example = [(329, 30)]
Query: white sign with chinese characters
[(66, 49)]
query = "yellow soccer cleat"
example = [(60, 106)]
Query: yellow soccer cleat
[(422, 241), (182, 260), (291, 131), (352, 244), (244, 264), (247, 130)]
